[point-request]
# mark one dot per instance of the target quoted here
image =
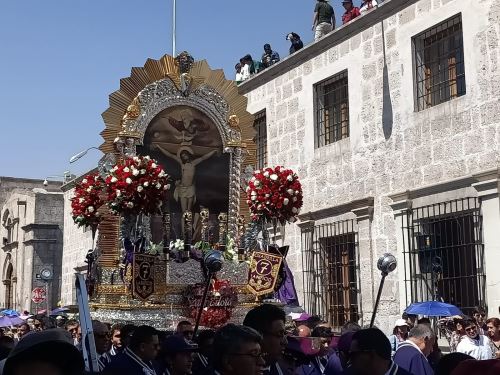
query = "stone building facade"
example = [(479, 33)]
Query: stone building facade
[(397, 146), (31, 231), (77, 242)]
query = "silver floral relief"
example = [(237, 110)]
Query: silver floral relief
[(163, 94), (234, 191)]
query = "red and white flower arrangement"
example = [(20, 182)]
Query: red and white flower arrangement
[(87, 201), (274, 194), (219, 306), (137, 185)]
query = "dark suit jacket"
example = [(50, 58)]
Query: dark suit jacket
[(412, 360), (123, 364)]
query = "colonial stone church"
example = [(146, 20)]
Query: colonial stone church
[(31, 230)]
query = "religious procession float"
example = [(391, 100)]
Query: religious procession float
[(183, 223)]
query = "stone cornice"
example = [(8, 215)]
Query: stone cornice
[(359, 208), (483, 181), (33, 226), (344, 32), (40, 240)]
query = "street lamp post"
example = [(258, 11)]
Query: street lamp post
[(81, 154), (386, 264)]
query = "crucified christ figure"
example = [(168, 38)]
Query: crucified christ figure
[(184, 188)]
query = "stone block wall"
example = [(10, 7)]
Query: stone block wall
[(77, 241), (391, 147)]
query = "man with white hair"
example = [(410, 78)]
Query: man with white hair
[(411, 354)]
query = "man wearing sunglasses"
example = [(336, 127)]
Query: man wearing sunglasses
[(237, 351), (370, 354), (476, 345)]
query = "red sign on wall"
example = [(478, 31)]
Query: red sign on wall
[(38, 295)]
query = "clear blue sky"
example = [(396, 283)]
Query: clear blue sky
[(60, 59)]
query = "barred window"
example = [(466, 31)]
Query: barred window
[(439, 62), (261, 139), (331, 264), (332, 110), (444, 254)]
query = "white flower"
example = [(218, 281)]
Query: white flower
[(130, 204), (136, 159), (248, 188), (89, 189), (285, 201), (126, 170), (90, 209), (81, 200), (128, 180), (257, 171), (259, 207), (253, 193), (97, 214), (84, 181), (161, 174), (266, 174), (143, 171), (290, 191), (294, 210), (140, 188), (257, 183), (267, 195), (158, 185), (274, 177), (297, 192), (146, 183), (253, 197), (290, 177), (153, 165), (114, 179), (147, 157), (118, 193), (135, 172), (166, 187)]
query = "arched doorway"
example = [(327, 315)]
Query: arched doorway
[(8, 287)]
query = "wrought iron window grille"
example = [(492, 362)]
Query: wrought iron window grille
[(260, 125), (332, 109), (331, 272), (439, 63), (444, 254)]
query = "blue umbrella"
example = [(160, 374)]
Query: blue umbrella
[(433, 308), (8, 321), (9, 312), (59, 310)]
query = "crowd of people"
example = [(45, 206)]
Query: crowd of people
[(323, 23), (267, 343)]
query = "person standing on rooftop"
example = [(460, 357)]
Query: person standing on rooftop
[(323, 19)]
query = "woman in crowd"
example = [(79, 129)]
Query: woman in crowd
[(493, 326), (457, 334), (399, 334)]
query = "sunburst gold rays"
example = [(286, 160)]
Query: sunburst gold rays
[(166, 66)]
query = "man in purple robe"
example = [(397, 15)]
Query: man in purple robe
[(412, 354)]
